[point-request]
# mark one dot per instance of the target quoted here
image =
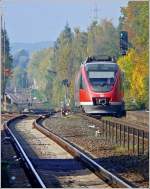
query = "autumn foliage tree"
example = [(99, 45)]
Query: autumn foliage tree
[(136, 77), (73, 46), (135, 20)]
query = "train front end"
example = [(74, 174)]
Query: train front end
[(100, 88)]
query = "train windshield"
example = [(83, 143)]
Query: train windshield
[(101, 76)]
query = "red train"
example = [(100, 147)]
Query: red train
[(99, 87)]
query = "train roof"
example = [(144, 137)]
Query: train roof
[(99, 59), (101, 62)]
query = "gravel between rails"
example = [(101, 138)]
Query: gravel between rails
[(56, 167), (82, 132)]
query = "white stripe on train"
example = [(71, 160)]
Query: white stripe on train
[(91, 103)]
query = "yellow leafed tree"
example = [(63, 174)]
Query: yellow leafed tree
[(136, 68), (139, 75)]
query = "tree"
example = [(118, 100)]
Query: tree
[(6, 60), (21, 58), (136, 73), (62, 61), (134, 20), (103, 39), (20, 76), (39, 73)]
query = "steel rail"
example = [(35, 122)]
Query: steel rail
[(35, 178), (101, 172)]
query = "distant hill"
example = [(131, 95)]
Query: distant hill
[(30, 47)]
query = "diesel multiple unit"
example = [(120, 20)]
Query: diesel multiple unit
[(99, 87)]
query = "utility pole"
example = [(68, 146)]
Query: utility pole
[(2, 54), (1, 26), (4, 62), (0, 41), (95, 12)]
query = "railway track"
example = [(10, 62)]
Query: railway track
[(12, 173), (87, 133), (30, 171), (52, 166)]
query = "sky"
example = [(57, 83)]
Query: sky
[(33, 21)]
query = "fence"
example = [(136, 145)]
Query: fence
[(135, 140)]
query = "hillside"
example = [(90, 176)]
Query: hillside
[(30, 47)]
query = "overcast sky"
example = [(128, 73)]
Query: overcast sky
[(43, 20)]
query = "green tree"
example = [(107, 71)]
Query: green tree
[(63, 62), (20, 77), (6, 61), (103, 39), (39, 73)]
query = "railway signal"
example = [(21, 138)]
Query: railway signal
[(123, 42), (65, 108)]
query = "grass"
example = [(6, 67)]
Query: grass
[(120, 149), (108, 117)]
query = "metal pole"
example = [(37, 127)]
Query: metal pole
[(120, 133), (3, 54), (138, 144), (1, 45), (30, 97), (124, 135), (133, 140), (4, 67), (143, 142), (128, 139), (109, 131), (116, 134), (103, 128), (106, 131), (112, 130)]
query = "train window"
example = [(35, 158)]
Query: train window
[(101, 67), (101, 81), (101, 74), (82, 84)]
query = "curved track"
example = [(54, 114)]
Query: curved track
[(32, 174), (53, 166)]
